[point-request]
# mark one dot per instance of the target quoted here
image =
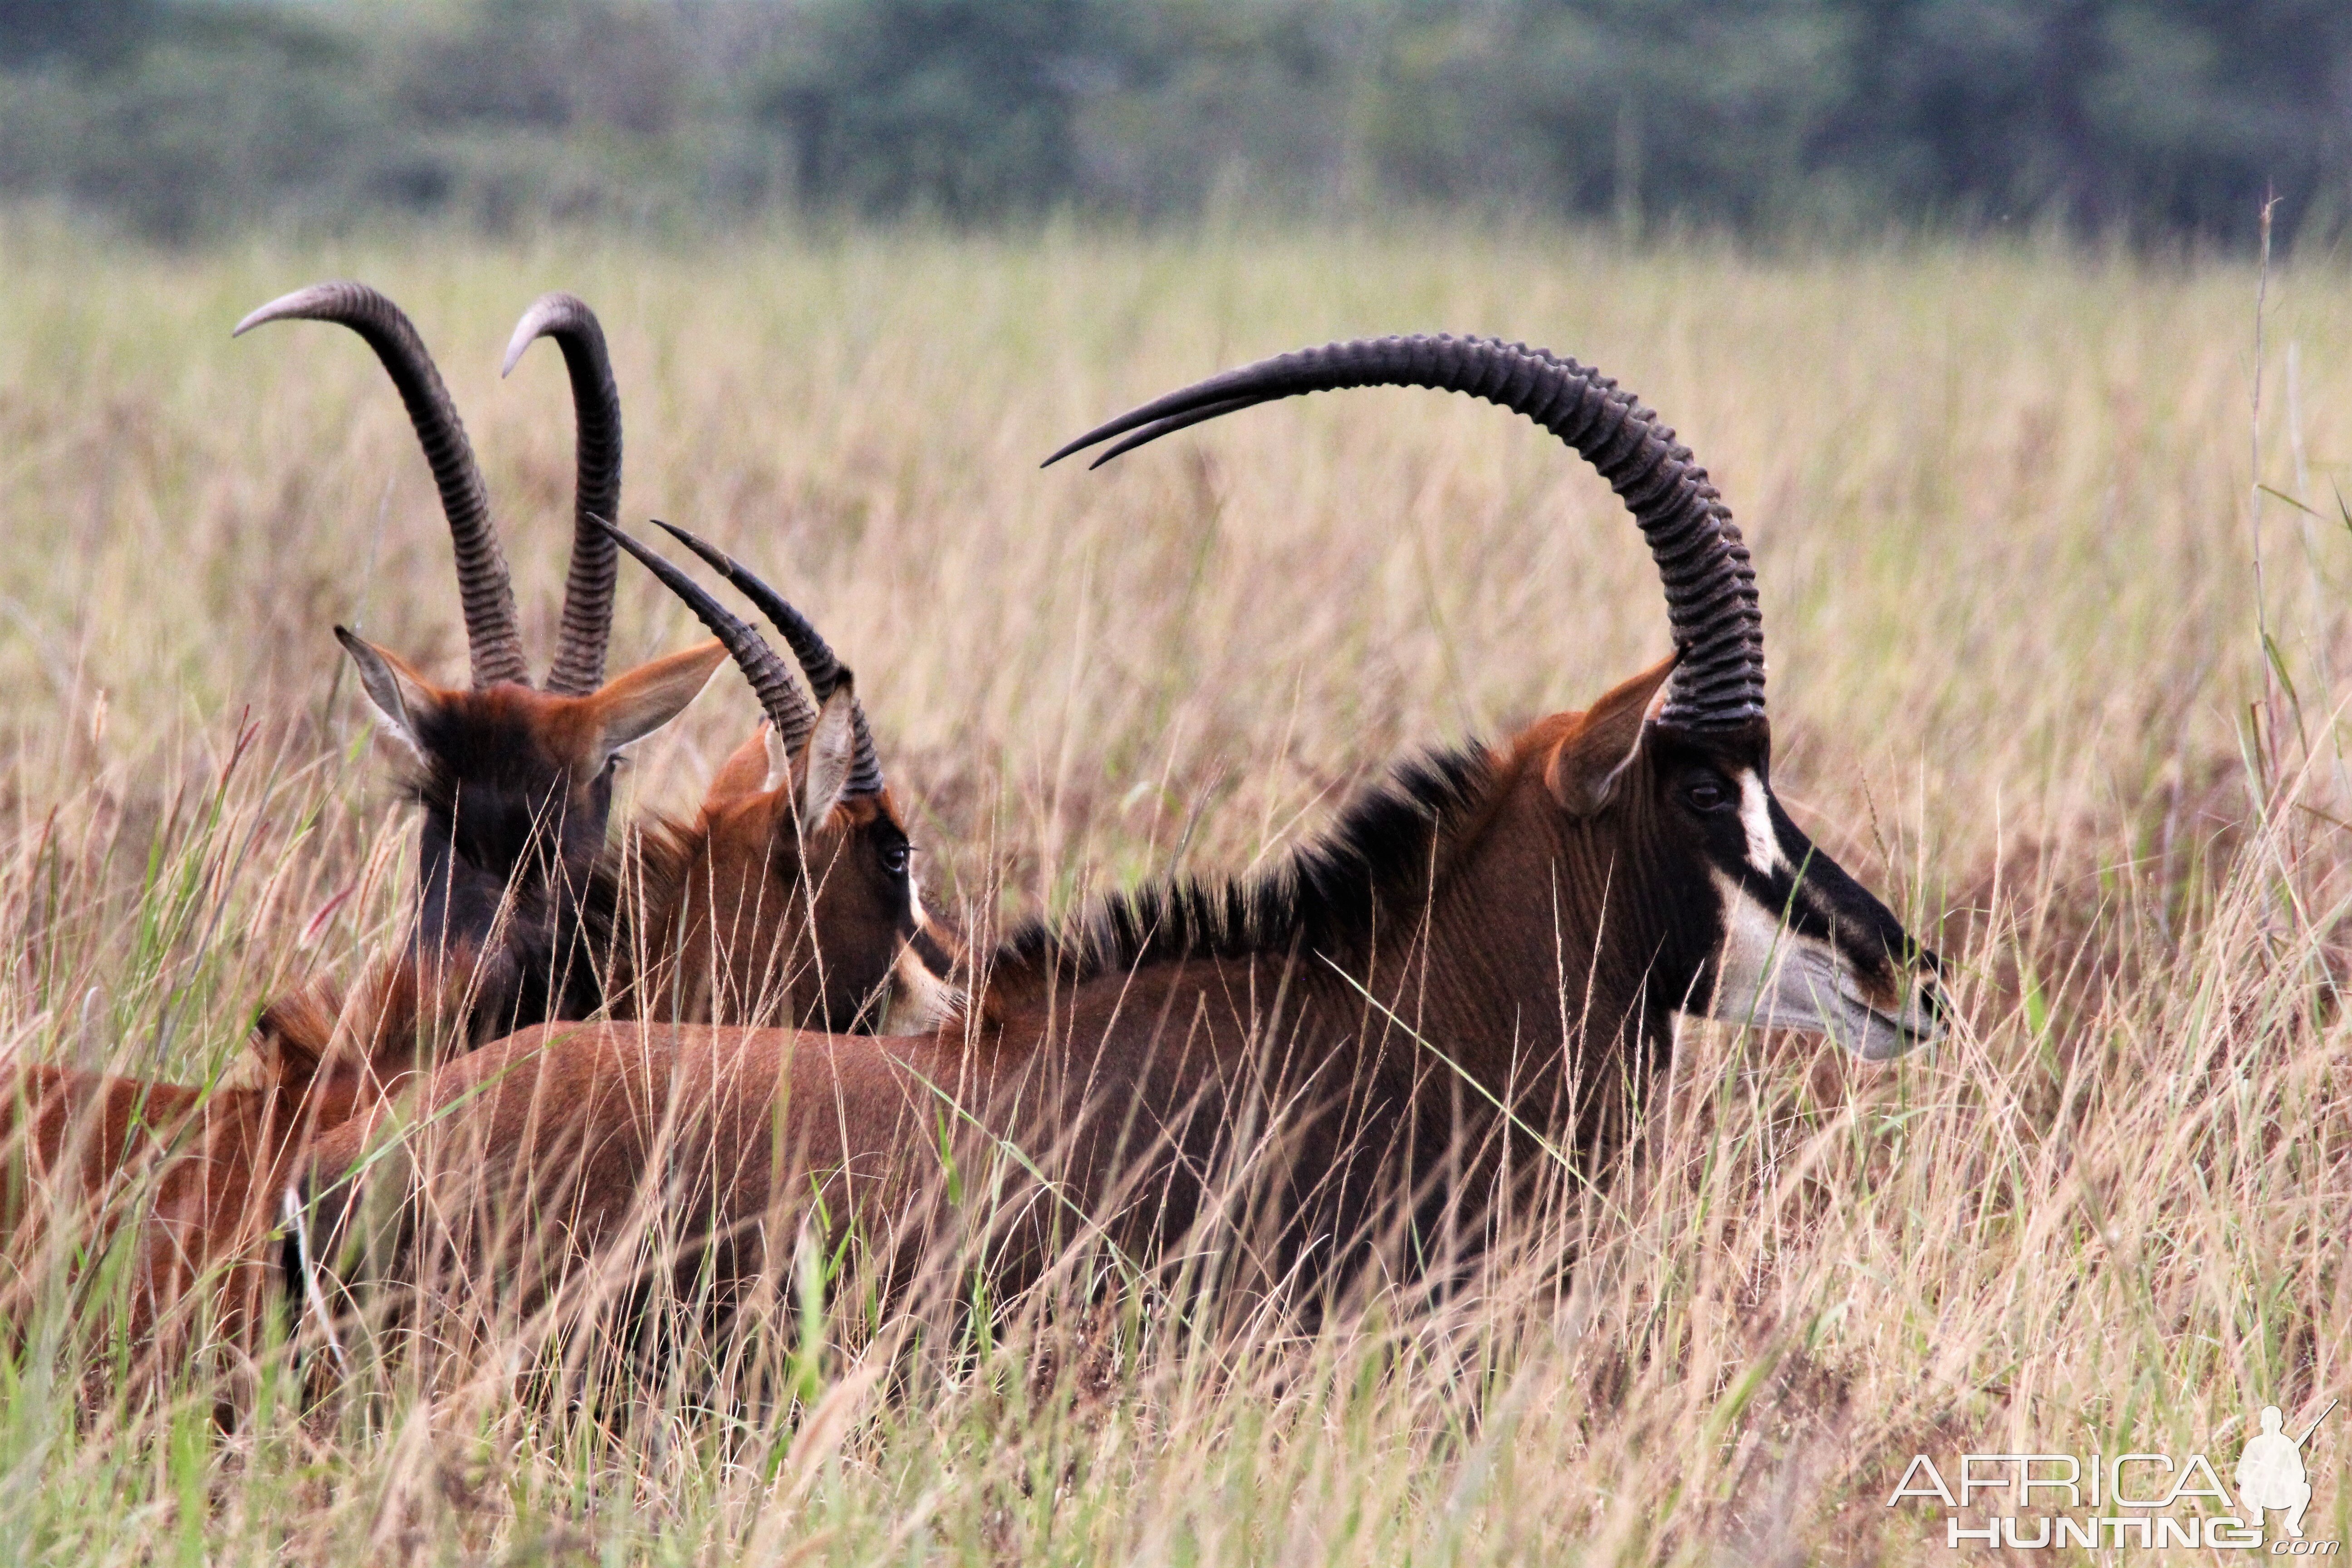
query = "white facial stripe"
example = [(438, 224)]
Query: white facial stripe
[(1756, 816)]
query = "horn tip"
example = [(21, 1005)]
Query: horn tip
[(633, 546), (718, 560), (276, 310), (548, 314), (305, 303)]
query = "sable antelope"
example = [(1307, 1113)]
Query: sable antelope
[(788, 896), (1484, 955), (516, 785), (193, 1172), (516, 782)]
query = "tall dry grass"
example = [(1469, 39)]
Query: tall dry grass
[(2001, 506)]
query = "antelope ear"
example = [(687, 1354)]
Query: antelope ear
[(824, 768), (776, 761), (631, 707), (1584, 767), (743, 774), (402, 697)]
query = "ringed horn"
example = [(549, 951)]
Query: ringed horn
[(579, 666), (1710, 583), (493, 640), (790, 712)]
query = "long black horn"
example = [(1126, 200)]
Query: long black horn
[(1709, 581), (817, 662), (493, 640), (579, 666), (781, 697)]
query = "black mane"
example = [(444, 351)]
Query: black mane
[(1324, 897)]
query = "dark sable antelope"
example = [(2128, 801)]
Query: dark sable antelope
[(1483, 959), (516, 785), (787, 897), (516, 781)]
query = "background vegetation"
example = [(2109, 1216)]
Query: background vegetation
[(2153, 119), (2001, 506)]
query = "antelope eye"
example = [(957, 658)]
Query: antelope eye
[(894, 859), (1707, 793)]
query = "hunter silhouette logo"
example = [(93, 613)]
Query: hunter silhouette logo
[(2046, 1501), (2270, 1474)]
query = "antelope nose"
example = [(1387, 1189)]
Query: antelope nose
[(1928, 974), (1931, 1005)]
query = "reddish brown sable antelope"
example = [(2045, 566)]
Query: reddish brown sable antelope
[(1483, 958), (788, 897), (531, 772), (516, 782), (180, 1182), (516, 785)]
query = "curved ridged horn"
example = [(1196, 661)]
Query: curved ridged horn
[(781, 697), (816, 658), (1709, 581), (579, 666), (493, 638)]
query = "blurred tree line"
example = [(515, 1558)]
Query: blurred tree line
[(2152, 120)]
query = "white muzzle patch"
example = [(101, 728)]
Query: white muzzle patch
[(919, 1001), (1771, 977)]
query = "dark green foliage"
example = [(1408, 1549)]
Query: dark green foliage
[(86, 31), (1609, 108), (216, 118), (967, 106), (2147, 119), (2145, 114), (538, 63)]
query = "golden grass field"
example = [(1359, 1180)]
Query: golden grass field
[(2001, 505)]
